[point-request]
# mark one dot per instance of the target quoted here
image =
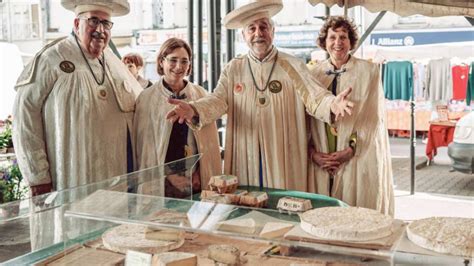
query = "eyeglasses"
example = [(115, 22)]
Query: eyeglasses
[(95, 21), (174, 61)]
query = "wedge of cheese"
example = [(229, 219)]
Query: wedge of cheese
[(244, 226), (275, 229), (224, 254), (174, 259), (165, 235)]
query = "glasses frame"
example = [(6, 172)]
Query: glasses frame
[(174, 61), (95, 21)]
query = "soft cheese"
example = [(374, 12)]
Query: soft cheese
[(275, 229), (244, 226)]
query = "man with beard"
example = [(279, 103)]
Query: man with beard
[(74, 106), (264, 94)]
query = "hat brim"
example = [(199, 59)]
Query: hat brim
[(238, 18), (117, 8)]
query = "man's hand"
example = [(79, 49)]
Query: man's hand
[(341, 104), (181, 112), (41, 189)]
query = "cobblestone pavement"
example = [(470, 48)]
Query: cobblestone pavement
[(435, 178)]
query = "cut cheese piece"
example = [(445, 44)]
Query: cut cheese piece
[(132, 237), (275, 229), (245, 226), (168, 216), (174, 259), (224, 199), (223, 183), (166, 235), (451, 235), (346, 223), (224, 254), (257, 199)]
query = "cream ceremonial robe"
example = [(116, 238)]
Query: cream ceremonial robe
[(275, 134), (366, 180), (68, 131), (152, 131)]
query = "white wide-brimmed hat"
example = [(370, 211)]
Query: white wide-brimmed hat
[(254, 10), (114, 8)]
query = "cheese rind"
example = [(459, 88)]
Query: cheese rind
[(450, 235), (174, 259), (275, 229), (224, 199), (346, 223), (223, 183), (245, 226), (165, 235), (132, 237), (224, 254), (257, 199)]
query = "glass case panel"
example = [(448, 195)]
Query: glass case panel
[(91, 220), (36, 224)]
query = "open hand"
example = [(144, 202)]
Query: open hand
[(341, 104), (181, 112)]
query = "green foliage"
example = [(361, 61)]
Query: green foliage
[(6, 140), (11, 185)]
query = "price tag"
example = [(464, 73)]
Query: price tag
[(135, 258)]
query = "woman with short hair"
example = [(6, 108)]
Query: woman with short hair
[(352, 156), (158, 141)]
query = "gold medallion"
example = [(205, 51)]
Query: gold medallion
[(67, 66), (263, 100), (275, 86), (102, 92)]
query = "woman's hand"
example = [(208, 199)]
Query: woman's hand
[(324, 161), (342, 156)]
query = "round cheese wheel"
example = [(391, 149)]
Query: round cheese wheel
[(346, 223), (450, 235), (132, 237)]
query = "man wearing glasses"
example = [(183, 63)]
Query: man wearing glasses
[(75, 103)]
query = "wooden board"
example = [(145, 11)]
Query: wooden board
[(386, 243), (252, 252), (80, 255)]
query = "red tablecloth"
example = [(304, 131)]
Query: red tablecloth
[(438, 136)]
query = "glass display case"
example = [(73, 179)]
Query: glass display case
[(75, 225)]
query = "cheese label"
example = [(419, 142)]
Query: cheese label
[(294, 204)]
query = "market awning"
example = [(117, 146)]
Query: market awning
[(431, 8)]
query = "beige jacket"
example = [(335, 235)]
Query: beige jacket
[(152, 131), (276, 134), (366, 180)]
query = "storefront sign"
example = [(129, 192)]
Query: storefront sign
[(421, 37)]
